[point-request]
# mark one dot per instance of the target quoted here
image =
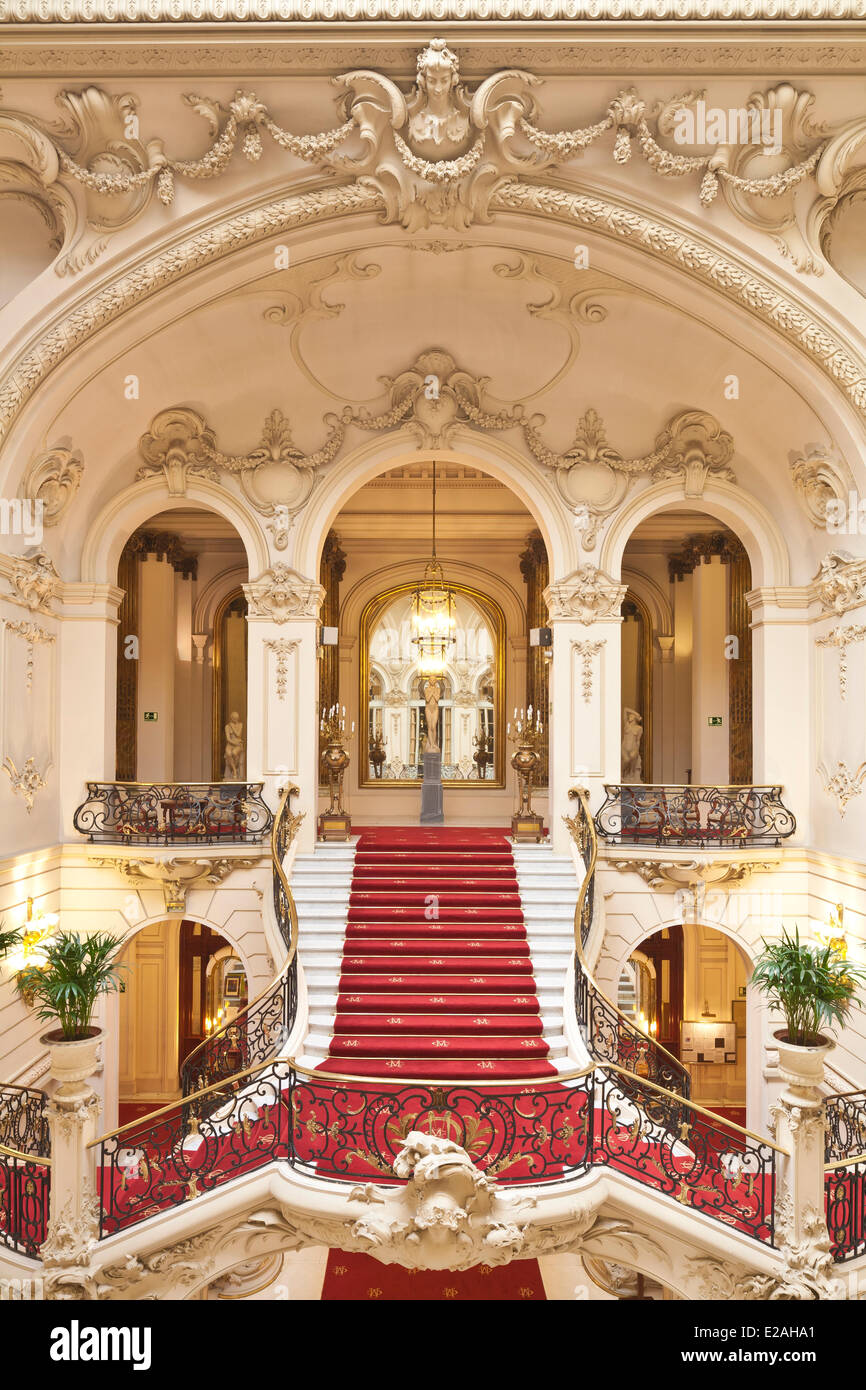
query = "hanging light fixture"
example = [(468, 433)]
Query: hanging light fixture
[(433, 612)]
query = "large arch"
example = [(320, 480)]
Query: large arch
[(744, 514)]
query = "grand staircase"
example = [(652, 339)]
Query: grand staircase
[(437, 978)]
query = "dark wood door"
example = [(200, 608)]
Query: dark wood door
[(197, 944), (665, 950)]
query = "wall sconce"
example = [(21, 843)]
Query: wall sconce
[(38, 926), (835, 936)]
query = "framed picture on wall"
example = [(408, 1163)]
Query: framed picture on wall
[(738, 1014), (232, 986)]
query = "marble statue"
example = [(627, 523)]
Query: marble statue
[(234, 750), (432, 696), (632, 733)]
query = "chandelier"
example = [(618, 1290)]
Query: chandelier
[(433, 616)]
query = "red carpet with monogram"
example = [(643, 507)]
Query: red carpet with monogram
[(360, 1277), (436, 977)]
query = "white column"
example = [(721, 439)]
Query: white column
[(158, 646), (87, 686), (710, 670), (585, 687), (781, 700), (185, 759)]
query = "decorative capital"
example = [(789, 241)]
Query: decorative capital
[(840, 583), (34, 581), (52, 479), (587, 595), (177, 875), (818, 481), (281, 593)]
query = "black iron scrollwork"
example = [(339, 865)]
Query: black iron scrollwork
[(163, 813), (699, 817)]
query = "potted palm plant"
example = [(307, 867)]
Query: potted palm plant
[(813, 987), (8, 941), (74, 972)]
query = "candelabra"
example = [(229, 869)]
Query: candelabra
[(528, 737), (482, 757), (378, 753), (334, 823)]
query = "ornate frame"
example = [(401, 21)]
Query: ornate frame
[(495, 615), (217, 760)]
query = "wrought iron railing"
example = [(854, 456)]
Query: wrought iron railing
[(610, 1036), (25, 1191), (258, 1031), (23, 1126), (845, 1133), (520, 1133), (542, 1131), (698, 817), (25, 1171), (845, 1207), (163, 813)]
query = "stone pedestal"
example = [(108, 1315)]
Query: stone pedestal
[(431, 791), (799, 1125), (72, 1114)]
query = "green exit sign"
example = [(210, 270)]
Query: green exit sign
[(714, 721), (151, 716)]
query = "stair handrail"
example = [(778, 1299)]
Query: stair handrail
[(663, 1107), (25, 1100), (648, 1050)]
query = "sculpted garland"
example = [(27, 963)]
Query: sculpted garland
[(436, 156)]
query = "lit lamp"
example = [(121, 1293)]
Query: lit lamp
[(38, 926), (434, 620), (433, 627), (835, 936)]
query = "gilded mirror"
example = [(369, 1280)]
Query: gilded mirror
[(471, 707)]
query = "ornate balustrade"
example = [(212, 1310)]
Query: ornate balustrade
[(697, 817), (261, 1029), (25, 1172), (844, 1204), (163, 813), (352, 1129), (845, 1174), (23, 1125), (610, 1036)]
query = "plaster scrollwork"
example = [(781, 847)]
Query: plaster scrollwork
[(842, 638), (593, 477), (34, 636), (282, 648), (672, 875), (438, 154), (586, 651), (450, 1215), (275, 475), (280, 593), (73, 1235), (587, 595), (806, 1273), (34, 581), (840, 583), (844, 784), (818, 480), (52, 479), (27, 782), (177, 875)]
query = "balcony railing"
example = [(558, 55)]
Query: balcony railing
[(697, 817), (25, 1172), (170, 813)]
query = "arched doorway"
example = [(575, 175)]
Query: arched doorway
[(686, 653), (686, 985), (184, 981), (181, 649)]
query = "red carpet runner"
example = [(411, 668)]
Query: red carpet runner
[(360, 1277), (436, 975)]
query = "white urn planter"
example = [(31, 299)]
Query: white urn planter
[(73, 1061), (802, 1068)]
